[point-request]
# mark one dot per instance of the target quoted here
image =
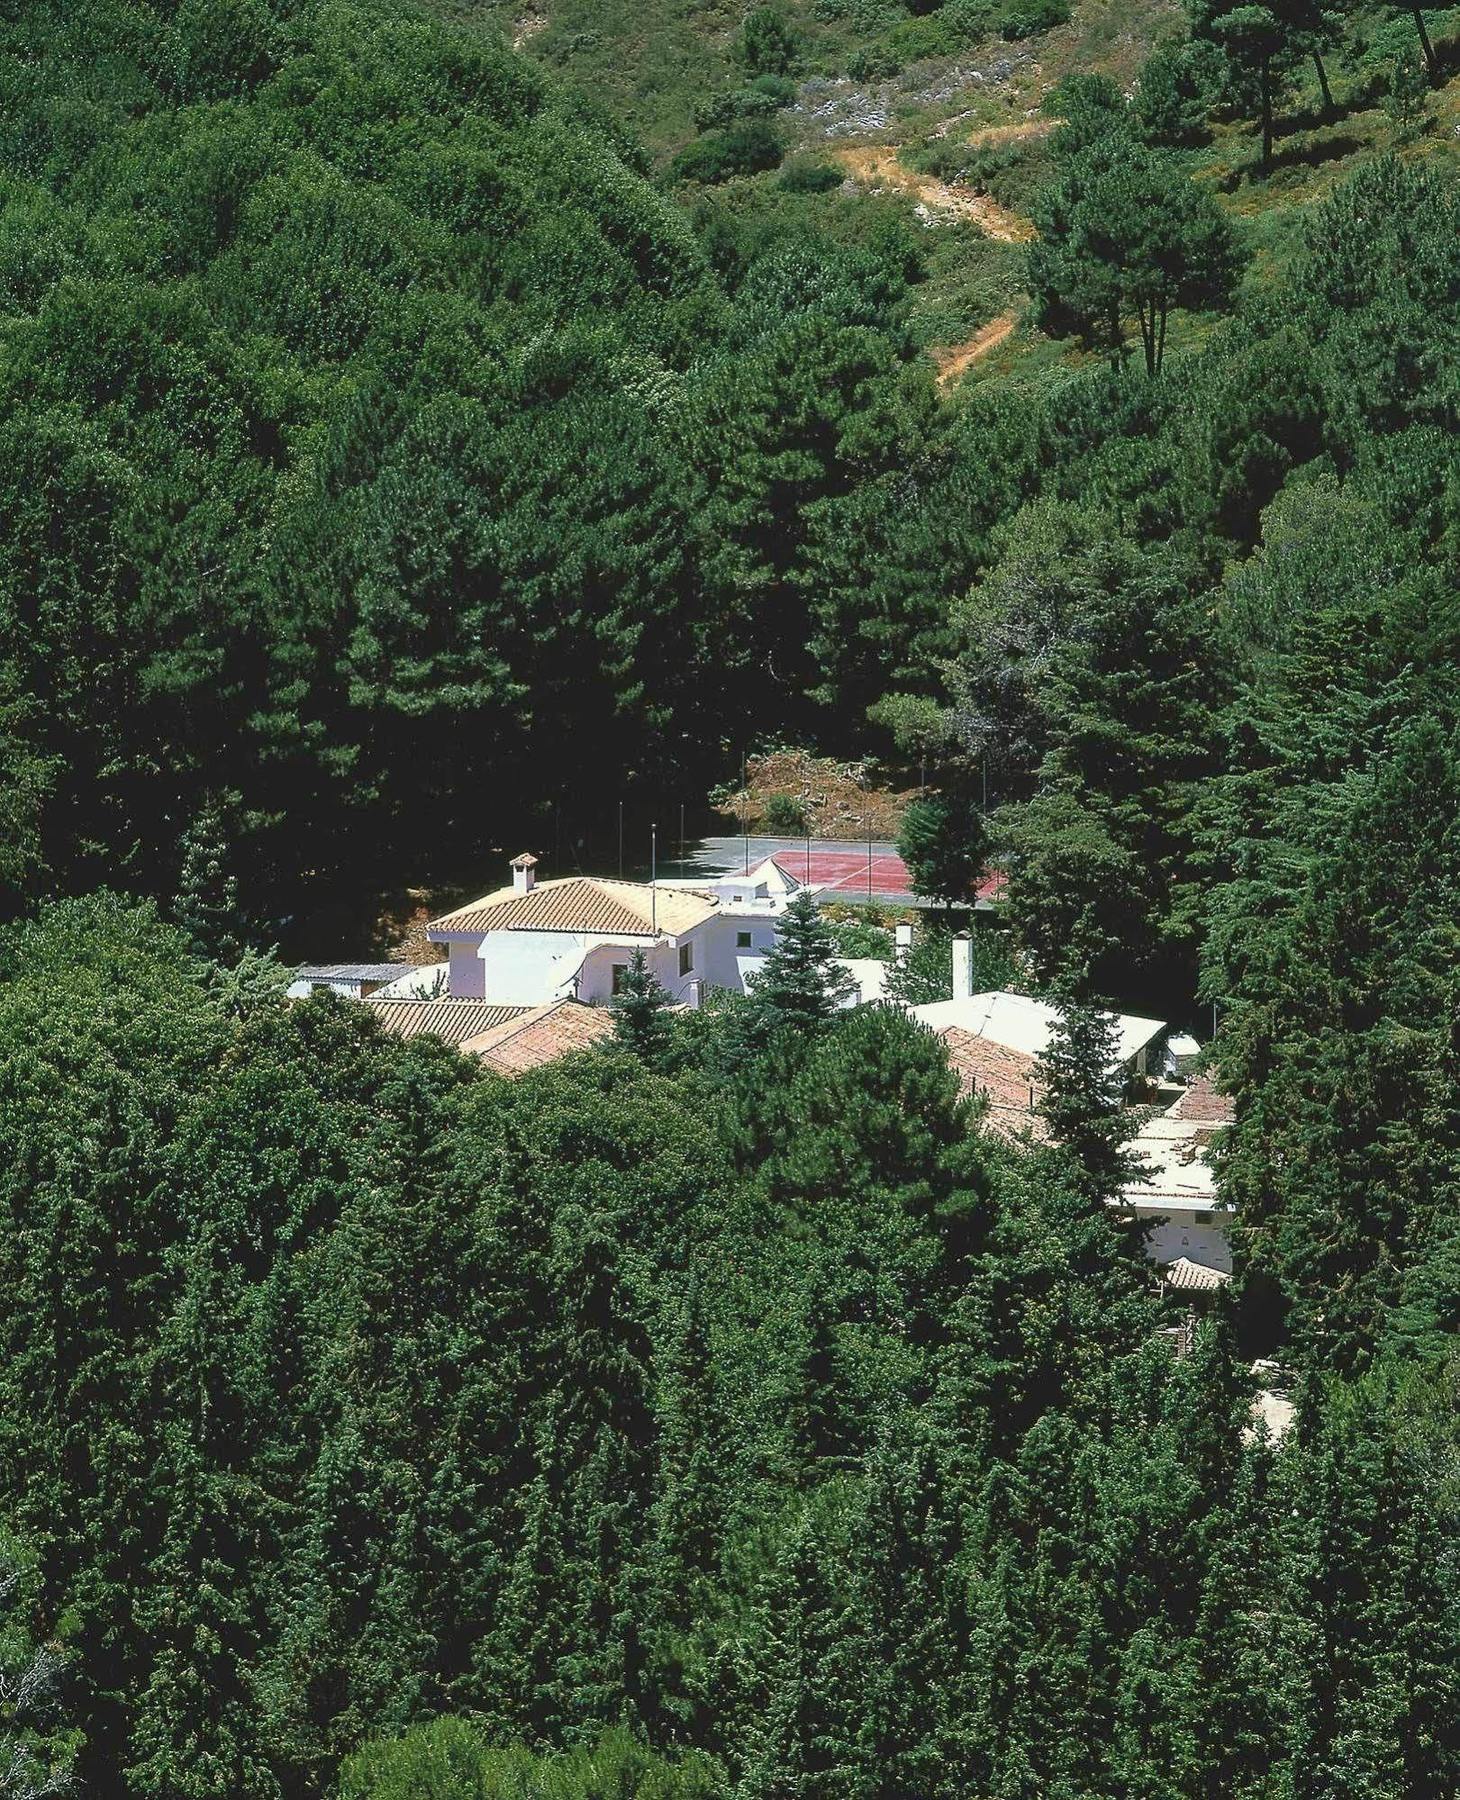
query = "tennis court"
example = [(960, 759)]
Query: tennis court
[(847, 869)]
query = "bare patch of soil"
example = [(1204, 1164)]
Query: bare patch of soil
[(956, 359), (877, 166), (838, 800)]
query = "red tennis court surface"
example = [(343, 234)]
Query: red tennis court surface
[(866, 871)]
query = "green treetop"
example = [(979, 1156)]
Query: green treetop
[(801, 983), (943, 842), (1081, 1088), (641, 1012)]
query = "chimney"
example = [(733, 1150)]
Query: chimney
[(524, 873), (902, 939), (962, 966)]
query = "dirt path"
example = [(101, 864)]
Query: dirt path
[(957, 359), (1018, 132), (877, 166)]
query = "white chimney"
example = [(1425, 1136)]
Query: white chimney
[(962, 966), (902, 939), (524, 873)]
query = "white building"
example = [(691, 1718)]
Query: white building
[(1178, 1199), (536, 942), (1017, 1022), (995, 1042), (359, 981)]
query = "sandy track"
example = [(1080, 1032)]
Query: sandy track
[(877, 166), (957, 359)]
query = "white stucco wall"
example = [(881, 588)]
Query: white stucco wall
[(597, 980), (533, 968), (1182, 1234), (725, 961), (465, 980)]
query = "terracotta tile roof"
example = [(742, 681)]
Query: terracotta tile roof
[(453, 1021), (540, 1036), (1002, 1075), (584, 903), (1187, 1277), (1201, 1104)]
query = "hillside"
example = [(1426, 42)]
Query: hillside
[(433, 432), (861, 66)]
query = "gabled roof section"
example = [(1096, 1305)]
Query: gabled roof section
[(583, 903), (1187, 1277), (453, 1021), (1004, 1078), (540, 1036), (1025, 1024)]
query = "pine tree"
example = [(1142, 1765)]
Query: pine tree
[(801, 985), (1082, 1086), (206, 904), (1260, 41), (1125, 233), (640, 1010)]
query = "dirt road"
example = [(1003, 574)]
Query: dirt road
[(877, 166), (957, 359)]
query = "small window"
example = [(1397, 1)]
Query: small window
[(620, 974), (1203, 1218), (686, 958), (742, 940)]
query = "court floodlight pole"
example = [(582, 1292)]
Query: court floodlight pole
[(681, 837), (620, 840), (653, 877), (744, 812), (869, 859)]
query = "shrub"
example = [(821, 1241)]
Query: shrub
[(1027, 18), (767, 44), (450, 1760), (742, 150), (860, 937), (784, 814), (807, 175)]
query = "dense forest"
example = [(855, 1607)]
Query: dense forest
[(396, 444), (712, 1415)]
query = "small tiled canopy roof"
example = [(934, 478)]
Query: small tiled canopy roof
[(1187, 1277), (540, 1036), (453, 1021), (583, 903)]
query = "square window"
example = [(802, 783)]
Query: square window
[(620, 970), (742, 940), (686, 958)]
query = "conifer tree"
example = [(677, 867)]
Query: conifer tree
[(206, 905), (944, 843), (1259, 40), (801, 984), (1082, 1087), (641, 1012)]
